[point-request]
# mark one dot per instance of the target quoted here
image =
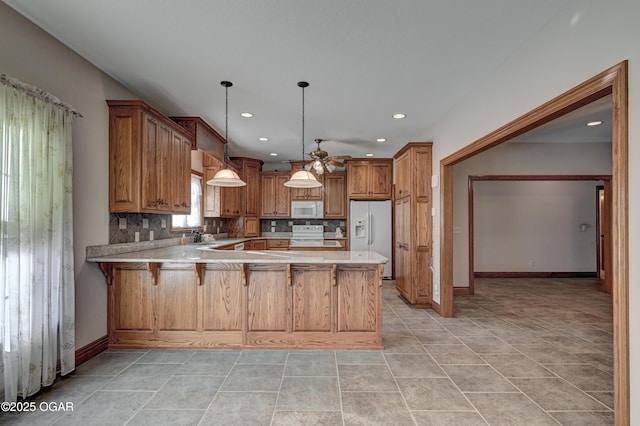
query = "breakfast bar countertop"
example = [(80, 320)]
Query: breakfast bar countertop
[(202, 253)]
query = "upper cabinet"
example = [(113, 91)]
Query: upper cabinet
[(276, 200), (149, 161), (250, 173), (335, 195), (303, 194), (369, 179), (220, 201)]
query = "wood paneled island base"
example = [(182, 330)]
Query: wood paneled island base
[(244, 305)]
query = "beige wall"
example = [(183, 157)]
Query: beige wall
[(32, 56), (525, 159)]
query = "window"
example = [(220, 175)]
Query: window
[(193, 220)]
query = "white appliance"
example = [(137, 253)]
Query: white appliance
[(370, 226), (310, 236), (307, 235), (307, 209)]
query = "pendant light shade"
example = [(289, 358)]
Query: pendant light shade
[(226, 176), (302, 178)]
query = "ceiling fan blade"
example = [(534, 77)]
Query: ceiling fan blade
[(336, 163), (341, 157)]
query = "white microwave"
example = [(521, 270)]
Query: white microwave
[(307, 209)]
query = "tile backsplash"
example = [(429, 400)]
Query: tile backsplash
[(147, 225), (283, 225), (159, 225)]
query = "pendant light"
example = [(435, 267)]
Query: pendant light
[(226, 176), (302, 178)]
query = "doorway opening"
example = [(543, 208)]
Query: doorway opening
[(614, 82)]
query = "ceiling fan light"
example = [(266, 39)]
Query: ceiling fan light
[(226, 177), (330, 168), (302, 179)]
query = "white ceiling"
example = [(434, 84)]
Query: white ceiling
[(364, 60)]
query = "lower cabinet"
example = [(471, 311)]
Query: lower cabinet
[(178, 305)]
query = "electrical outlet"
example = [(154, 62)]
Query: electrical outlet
[(457, 229), (532, 263), (325, 223), (145, 223), (150, 235), (290, 223), (137, 237), (163, 223), (273, 223), (122, 223)]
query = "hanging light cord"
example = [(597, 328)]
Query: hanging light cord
[(226, 126), (302, 126)]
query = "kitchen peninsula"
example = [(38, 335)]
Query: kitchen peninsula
[(190, 296)]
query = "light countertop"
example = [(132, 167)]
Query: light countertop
[(205, 253)]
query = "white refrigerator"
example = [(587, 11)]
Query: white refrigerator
[(370, 226)]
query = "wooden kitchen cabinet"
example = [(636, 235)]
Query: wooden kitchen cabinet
[(306, 194), (276, 200), (147, 158), (369, 179), (180, 187), (250, 194), (220, 201), (244, 305), (414, 224), (251, 227), (335, 195), (278, 244)]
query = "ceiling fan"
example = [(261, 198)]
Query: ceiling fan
[(321, 160)]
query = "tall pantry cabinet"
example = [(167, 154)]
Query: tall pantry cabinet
[(413, 224)]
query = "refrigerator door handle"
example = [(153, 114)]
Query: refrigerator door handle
[(370, 230)]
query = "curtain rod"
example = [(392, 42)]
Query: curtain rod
[(37, 93)]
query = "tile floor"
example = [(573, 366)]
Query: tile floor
[(518, 352)]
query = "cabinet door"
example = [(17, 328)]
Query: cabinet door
[(380, 180), (357, 298), (251, 227), (222, 297), (403, 169), (124, 159), (335, 196), (399, 251), (150, 141), (163, 169), (177, 298), (180, 161), (131, 298), (252, 190), (282, 196), (311, 286), (259, 244), (230, 201), (358, 180), (267, 298), (268, 203)]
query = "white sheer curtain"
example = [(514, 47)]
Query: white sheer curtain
[(37, 318)]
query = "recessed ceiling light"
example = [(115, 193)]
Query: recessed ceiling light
[(246, 114), (399, 116), (594, 123), (274, 154), (381, 140), (369, 154), (263, 139)]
